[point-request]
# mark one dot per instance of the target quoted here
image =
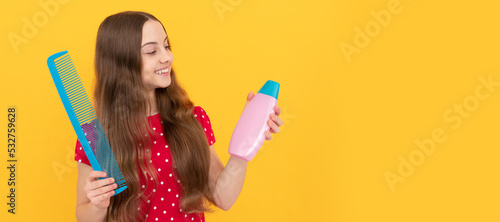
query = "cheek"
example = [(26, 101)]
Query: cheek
[(146, 71), (148, 66)]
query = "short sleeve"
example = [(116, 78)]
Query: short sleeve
[(206, 124), (80, 155)]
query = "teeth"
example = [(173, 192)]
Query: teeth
[(162, 71)]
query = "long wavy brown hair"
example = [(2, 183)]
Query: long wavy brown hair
[(122, 105)]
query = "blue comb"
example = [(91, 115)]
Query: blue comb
[(83, 117)]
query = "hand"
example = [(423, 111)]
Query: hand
[(98, 191), (274, 121)]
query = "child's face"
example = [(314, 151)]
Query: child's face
[(156, 56)]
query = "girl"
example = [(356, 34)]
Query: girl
[(163, 144)]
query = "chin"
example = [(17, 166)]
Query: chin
[(165, 85)]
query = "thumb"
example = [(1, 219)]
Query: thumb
[(249, 97)]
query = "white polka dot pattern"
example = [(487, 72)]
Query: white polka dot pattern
[(163, 202)]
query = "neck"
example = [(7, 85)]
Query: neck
[(152, 108)]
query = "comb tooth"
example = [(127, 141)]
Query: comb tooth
[(62, 69), (81, 103), (78, 98), (77, 94), (85, 115), (69, 66), (66, 57), (79, 110), (65, 73), (69, 78), (70, 92), (72, 85), (65, 77), (72, 79), (67, 70), (84, 118), (93, 117), (64, 63), (70, 69), (88, 119), (58, 60), (61, 60), (75, 91), (84, 109), (68, 74)]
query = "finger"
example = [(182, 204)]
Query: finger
[(102, 190), (94, 175), (269, 136), (97, 192), (102, 201), (278, 121), (273, 127), (107, 196), (92, 186), (277, 110), (250, 96), (101, 183), (106, 189)]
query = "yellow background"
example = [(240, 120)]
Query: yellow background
[(346, 123)]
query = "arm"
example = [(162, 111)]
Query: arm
[(89, 186), (227, 182)]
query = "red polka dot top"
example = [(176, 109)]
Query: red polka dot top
[(163, 203)]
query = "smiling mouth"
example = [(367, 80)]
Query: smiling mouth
[(162, 71)]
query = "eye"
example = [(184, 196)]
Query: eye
[(151, 53), (168, 47)]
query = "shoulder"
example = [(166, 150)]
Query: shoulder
[(198, 110), (201, 115)]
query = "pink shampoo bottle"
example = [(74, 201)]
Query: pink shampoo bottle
[(249, 133)]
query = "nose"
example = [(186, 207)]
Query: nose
[(166, 56)]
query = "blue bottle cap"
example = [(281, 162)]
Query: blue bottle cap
[(271, 88)]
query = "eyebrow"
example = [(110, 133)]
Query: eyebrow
[(153, 43)]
